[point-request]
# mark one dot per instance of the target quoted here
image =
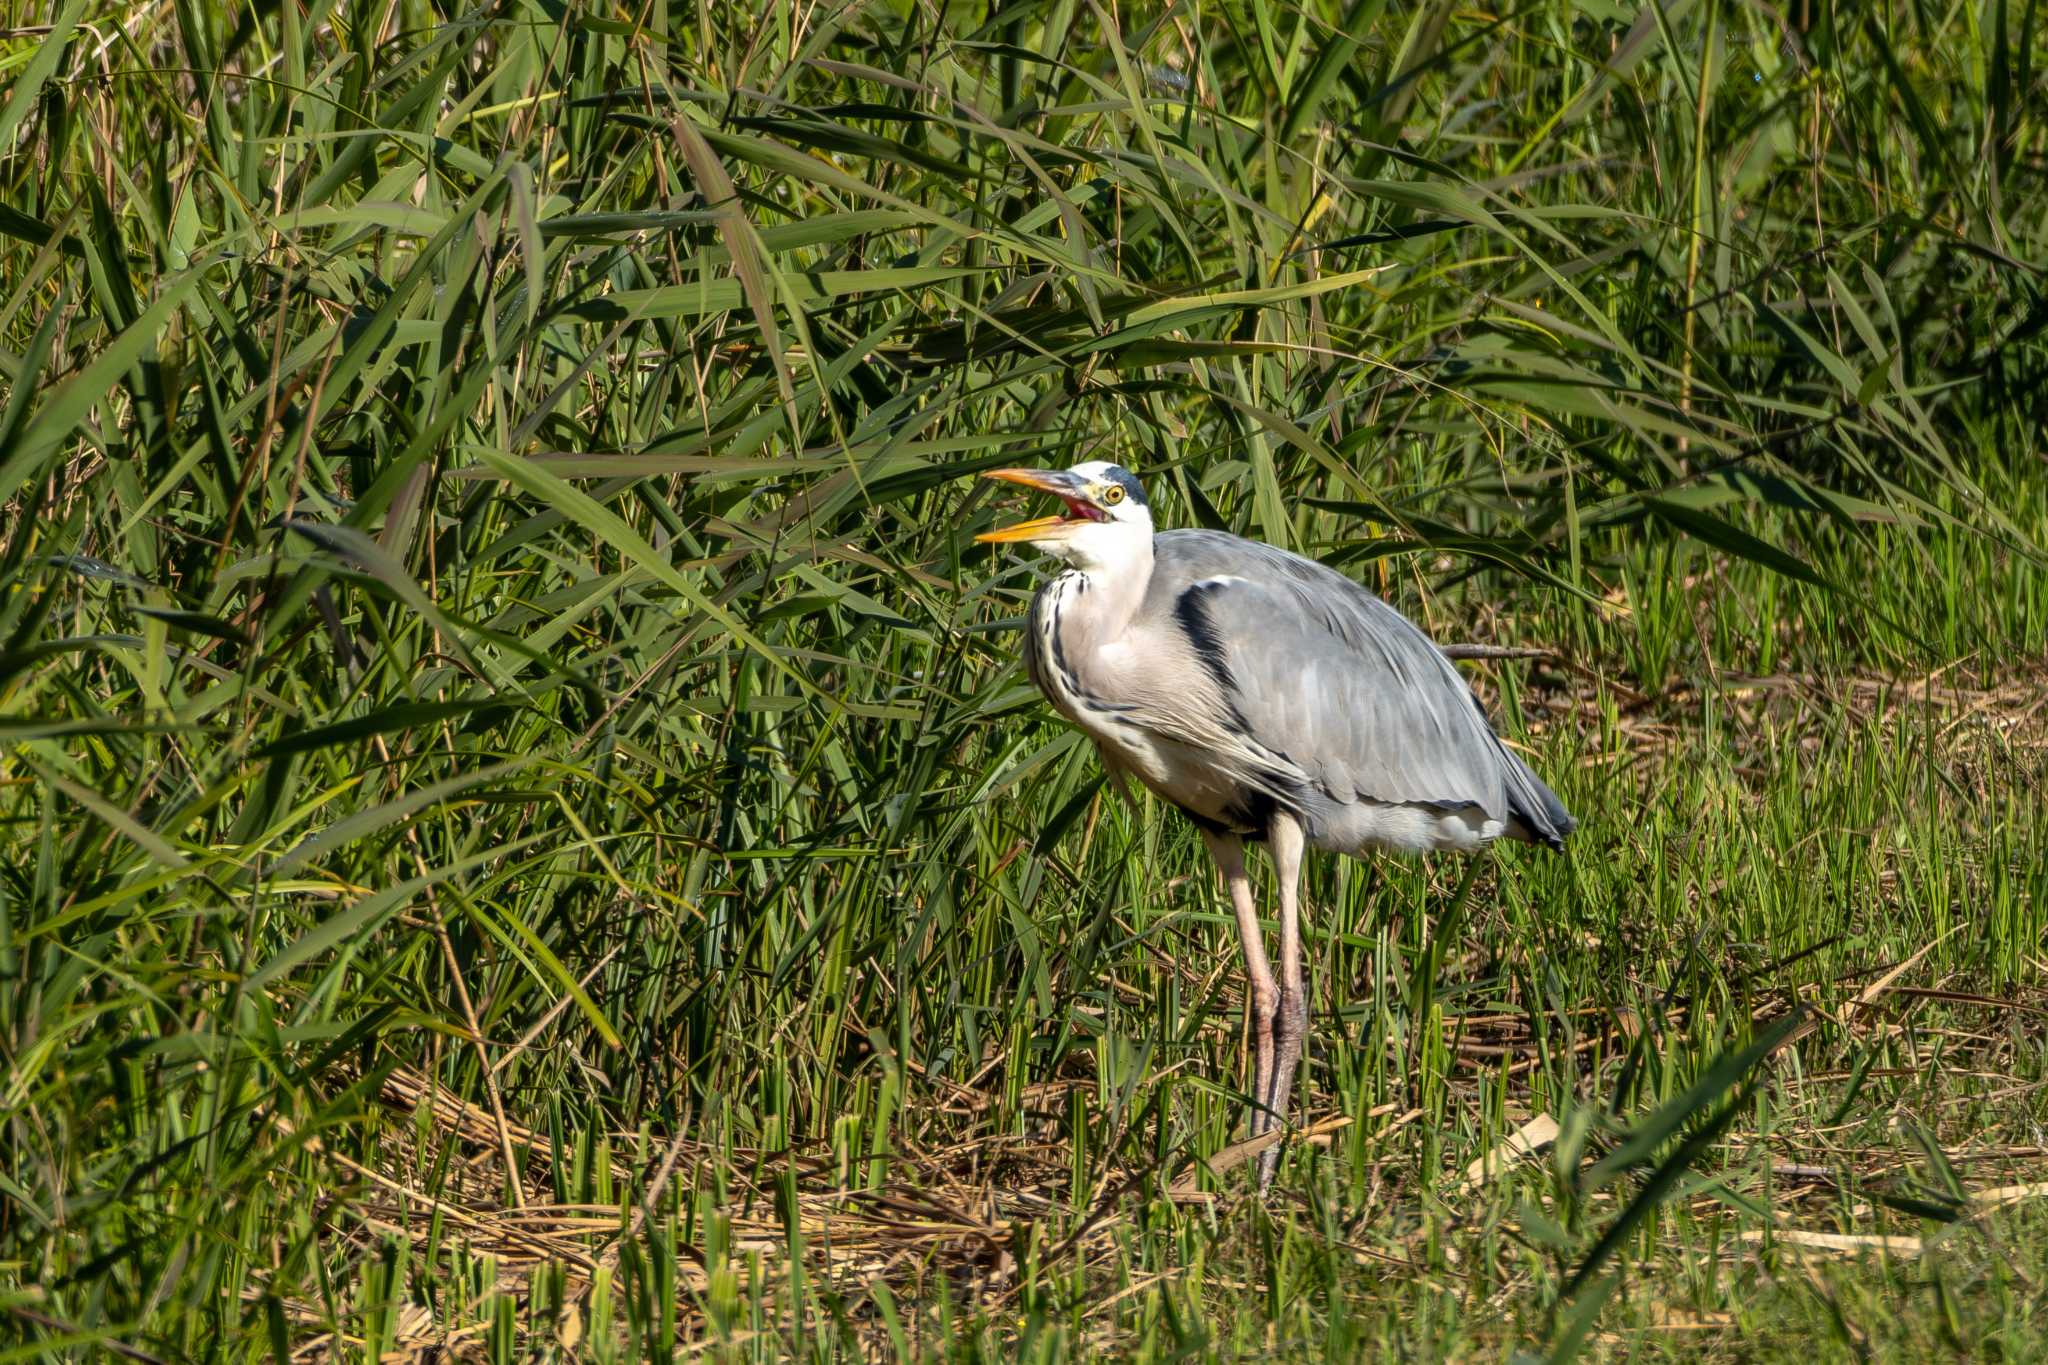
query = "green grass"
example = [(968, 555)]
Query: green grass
[(522, 833)]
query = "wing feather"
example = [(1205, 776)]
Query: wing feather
[(1322, 675)]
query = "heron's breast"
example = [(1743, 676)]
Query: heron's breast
[(1176, 772)]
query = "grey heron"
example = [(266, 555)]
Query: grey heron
[(1268, 697)]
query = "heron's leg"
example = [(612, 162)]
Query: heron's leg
[(1291, 1015), (1263, 995)]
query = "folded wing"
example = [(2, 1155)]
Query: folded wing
[(1334, 692)]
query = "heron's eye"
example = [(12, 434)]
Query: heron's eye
[(1113, 495)]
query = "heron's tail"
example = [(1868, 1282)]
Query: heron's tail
[(1535, 815)]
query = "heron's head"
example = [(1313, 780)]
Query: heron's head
[(1106, 521)]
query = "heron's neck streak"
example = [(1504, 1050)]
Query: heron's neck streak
[(1089, 607)]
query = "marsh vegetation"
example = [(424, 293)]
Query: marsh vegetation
[(522, 831)]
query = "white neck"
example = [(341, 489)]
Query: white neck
[(1112, 567)]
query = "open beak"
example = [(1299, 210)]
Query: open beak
[(1080, 508)]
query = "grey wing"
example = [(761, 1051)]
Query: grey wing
[(1336, 690)]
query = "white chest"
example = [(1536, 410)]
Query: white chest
[(1085, 671), (1095, 679)]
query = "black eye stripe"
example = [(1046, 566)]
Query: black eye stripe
[(1101, 479), (1120, 477)]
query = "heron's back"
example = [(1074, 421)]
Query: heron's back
[(1344, 711)]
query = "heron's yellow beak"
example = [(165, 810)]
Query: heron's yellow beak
[(1081, 508), (1038, 528)]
